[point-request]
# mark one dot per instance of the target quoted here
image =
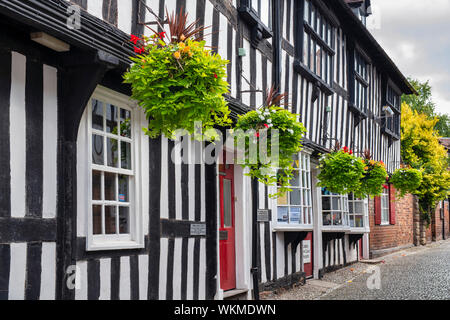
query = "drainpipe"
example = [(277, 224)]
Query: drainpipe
[(255, 269)]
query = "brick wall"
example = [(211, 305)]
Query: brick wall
[(393, 236), (436, 229)]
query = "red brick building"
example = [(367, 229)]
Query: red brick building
[(395, 222), (440, 228), (392, 226)]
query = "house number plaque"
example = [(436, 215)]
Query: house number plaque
[(198, 229), (264, 215)]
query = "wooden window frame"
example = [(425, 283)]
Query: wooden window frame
[(306, 204), (343, 200), (365, 205), (323, 36), (385, 218), (259, 30), (359, 82), (135, 239), (394, 133)]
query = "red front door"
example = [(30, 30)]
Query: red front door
[(227, 228)]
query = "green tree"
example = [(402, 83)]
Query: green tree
[(420, 149), (443, 125), (423, 104)]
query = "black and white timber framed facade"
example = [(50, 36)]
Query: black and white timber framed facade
[(338, 80)]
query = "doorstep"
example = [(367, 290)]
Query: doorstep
[(233, 293), (371, 261)]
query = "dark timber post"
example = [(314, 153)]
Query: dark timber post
[(276, 72), (255, 237)]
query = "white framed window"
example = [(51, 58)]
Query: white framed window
[(385, 207), (358, 216), (114, 183), (334, 209), (295, 207)]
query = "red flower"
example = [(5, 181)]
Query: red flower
[(385, 186), (162, 35), (257, 134), (266, 125), (351, 152), (345, 149), (134, 39), (215, 75), (139, 50)]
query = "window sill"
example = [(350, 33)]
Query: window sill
[(390, 133), (311, 76), (358, 230), (292, 228), (259, 30), (385, 224), (336, 229), (357, 111), (114, 245)]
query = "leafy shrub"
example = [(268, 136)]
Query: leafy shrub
[(341, 172), (177, 81), (290, 135), (374, 179), (406, 180)]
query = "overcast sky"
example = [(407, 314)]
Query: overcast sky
[(416, 35)]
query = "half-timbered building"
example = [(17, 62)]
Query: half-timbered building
[(89, 210)]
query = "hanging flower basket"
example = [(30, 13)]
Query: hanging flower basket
[(262, 123), (406, 180), (177, 81), (374, 177), (341, 172)]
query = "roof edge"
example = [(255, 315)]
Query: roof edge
[(360, 28)]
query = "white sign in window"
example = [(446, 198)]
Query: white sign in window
[(306, 251)]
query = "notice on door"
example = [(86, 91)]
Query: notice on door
[(306, 251)]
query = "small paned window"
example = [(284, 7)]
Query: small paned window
[(361, 82), (357, 213), (295, 207), (334, 209), (385, 207), (113, 180), (318, 43)]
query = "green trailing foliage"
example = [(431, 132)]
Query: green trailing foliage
[(261, 124), (341, 172), (406, 180), (373, 179), (177, 81)]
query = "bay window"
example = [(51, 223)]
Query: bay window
[(295, 207)]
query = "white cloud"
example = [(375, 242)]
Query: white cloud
[(415, 34)]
